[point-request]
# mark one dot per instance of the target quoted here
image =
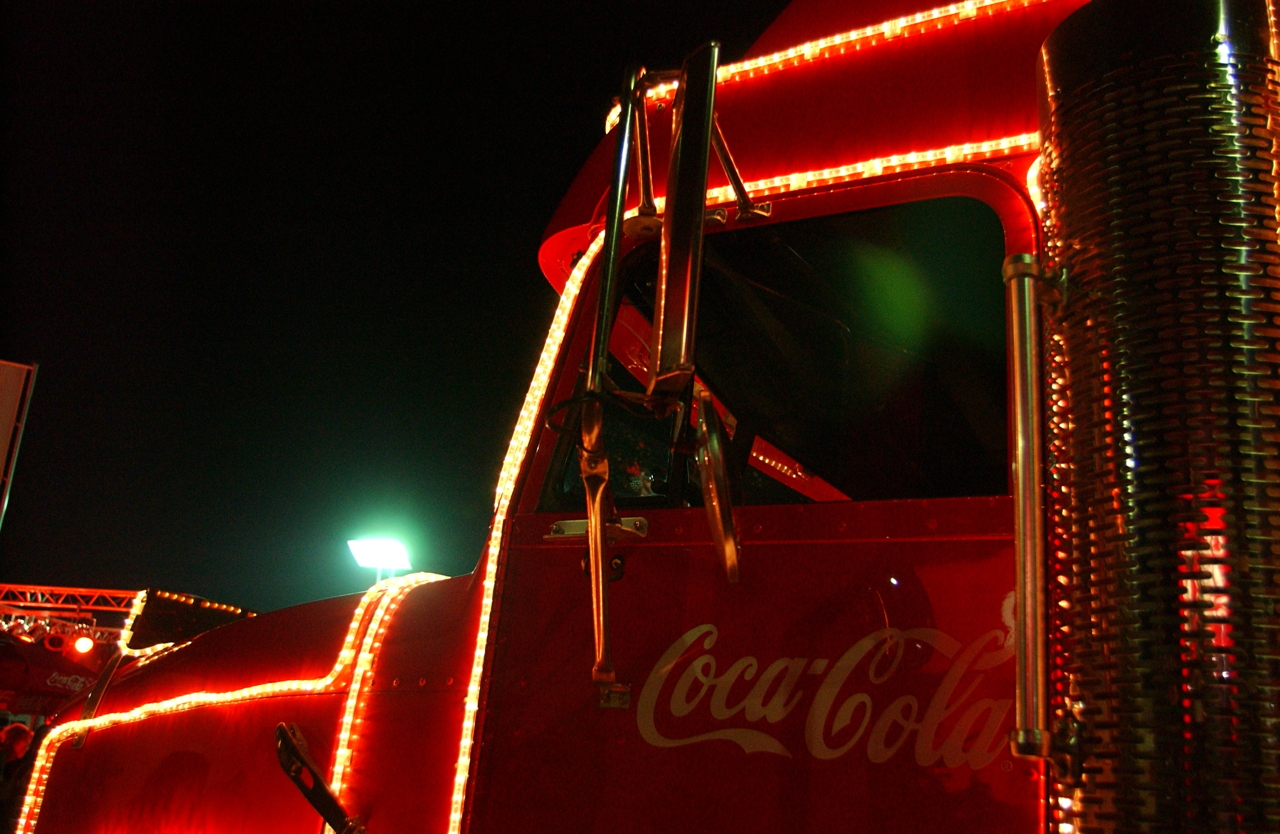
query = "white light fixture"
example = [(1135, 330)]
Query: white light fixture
[(382, 554)]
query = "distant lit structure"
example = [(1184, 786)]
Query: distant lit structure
[(62, 619)]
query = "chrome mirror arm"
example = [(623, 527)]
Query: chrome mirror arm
[(715, 484), (594, 465), (614, 209), (675, 312), (694, 132), (747, 210), (593, 461), (646, 223), (295, 761)]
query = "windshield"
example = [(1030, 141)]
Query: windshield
[(868, 347)]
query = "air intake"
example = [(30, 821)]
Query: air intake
[(1159, 125)]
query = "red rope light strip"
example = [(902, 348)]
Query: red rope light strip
[(880, 166), (523, 434), (516, 450), (126, 633), (855, 39), (362, 679), (347, 656)]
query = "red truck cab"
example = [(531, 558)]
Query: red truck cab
[(852, 662)]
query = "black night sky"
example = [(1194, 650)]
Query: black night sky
[(277, 262)]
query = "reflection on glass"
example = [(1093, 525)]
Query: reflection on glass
[(868, 347)]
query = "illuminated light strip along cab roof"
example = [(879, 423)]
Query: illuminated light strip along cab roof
[(950, 88), (838, 44), (521, 438), (1025, 143), (126, 633), (895, 164), (787, 183)]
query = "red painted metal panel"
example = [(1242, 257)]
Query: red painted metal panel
[(887, 624), (819, 583), (968, 82), (174, 772), (293, 644), (207, 771), (407, 744), (807, 20)]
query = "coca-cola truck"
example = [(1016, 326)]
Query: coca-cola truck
[(902, 457)]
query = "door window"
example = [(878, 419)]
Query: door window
[(869, 347)]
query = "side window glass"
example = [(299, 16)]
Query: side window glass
[(864, 350), (639, 448), (870, 346)]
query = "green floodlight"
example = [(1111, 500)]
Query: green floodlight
[(382, 554)]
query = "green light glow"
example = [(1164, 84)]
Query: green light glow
[(380, 553), (895, 296)]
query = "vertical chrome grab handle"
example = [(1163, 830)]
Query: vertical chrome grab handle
[(593, 460), (1030, 736)]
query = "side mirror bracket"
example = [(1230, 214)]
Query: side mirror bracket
[(671, 355)]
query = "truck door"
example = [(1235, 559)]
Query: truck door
[(859, 674)]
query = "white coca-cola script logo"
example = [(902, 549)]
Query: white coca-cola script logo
[(71, 683), (838, 717)]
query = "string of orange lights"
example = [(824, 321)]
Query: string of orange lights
[(348, 656), (893, 164), (389, 594), (126, 633), (1271, 24), (362, 678), (522, 436), (511, 466), (966, 152), (839, 44), (146, 655)]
